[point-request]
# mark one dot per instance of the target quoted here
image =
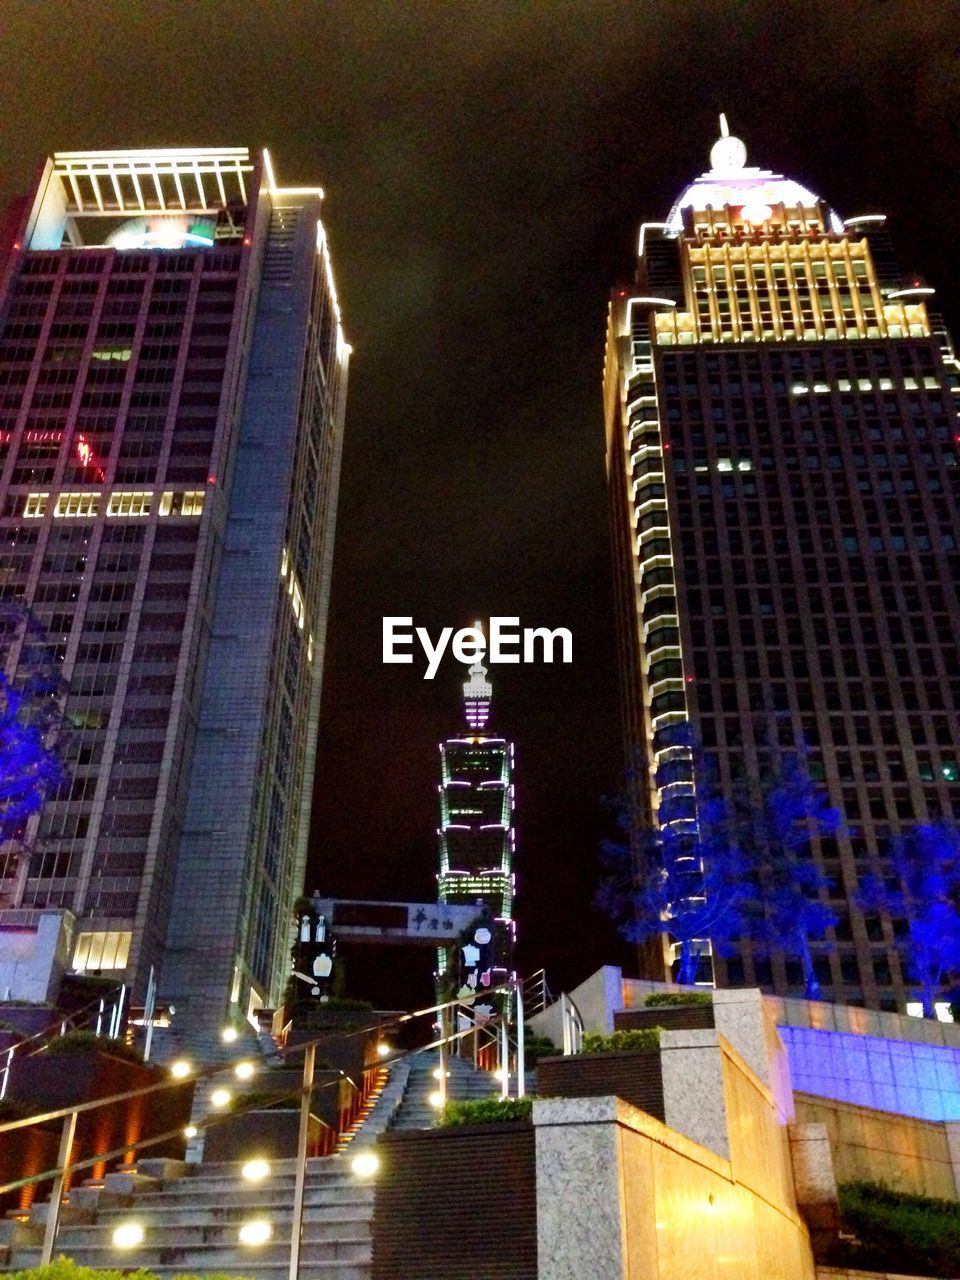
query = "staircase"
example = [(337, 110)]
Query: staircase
[(191, 1214), (192, 1222), (464, 1081)]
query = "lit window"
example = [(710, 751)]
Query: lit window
[(129, 502), (102, 950), (76, 504), (166, 503), (35, 506), (191, 503)]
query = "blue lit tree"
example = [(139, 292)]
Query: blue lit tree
[(922, 889), (31, 722), (686, 876), (788, 911)]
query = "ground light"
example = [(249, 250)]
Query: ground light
[(127, 1235), (220, 1097), (256, 1170), (190, 1131), (384, 1049), (365, 1164), (436, 1099), (256, 1231), (243, 1070), (228, 1035), (181, 1068), (437, 1073)]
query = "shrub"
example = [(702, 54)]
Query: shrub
[(9, 1026), (922, 1233), (485, 1111), (536, 1047), (622, 1041), (66, 1269), (672, 999), (84, 1041)]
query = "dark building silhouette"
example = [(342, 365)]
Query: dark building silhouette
[(172, 389), (782, 449)]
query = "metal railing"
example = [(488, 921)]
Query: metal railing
[(496, 1027)]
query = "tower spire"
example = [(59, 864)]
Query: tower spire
[(477, 691)]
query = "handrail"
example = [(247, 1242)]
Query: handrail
[(306, 1091), (206, 1072)]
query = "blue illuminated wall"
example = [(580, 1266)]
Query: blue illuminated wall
[(903, 1076)]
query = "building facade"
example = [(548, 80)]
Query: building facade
[(782, 444), (172, 387), (477, 836)]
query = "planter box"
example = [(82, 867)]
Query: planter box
[(456, 1204), (47, 1082), (30, 1019), (272, 1134), (635, 1076), (678, 1017), (341, 1044), (23, 1154)]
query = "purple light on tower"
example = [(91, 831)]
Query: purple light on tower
[(476, 835)]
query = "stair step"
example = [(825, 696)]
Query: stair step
[(247, 1262)]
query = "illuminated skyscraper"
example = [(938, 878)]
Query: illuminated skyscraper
[(172, 388), (782, 462), (476, 825)]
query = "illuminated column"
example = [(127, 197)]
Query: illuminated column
[(476, 836)]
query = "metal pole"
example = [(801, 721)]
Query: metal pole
[(296, 1229), (504, 1050), (150, 1005), (56, 1192), (521, 1057), (6, 1073), (442, 1085)]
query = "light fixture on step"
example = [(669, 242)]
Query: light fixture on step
[(256, 1170), (384, 1049), (365, 1164), (220, 1097), (256, 1231), (436, 1073), (127, 1235), (243, 1070), (190, 1131), (181, 1068), (229, 1034), (436, 1099)]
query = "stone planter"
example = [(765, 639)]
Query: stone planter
[(30, 1019), (679, 1017), (23, 1154), (636, 1076), (47, 1082), (272, 1134), (456, 1204), (341, 1045)]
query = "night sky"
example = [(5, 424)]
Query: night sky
[(486, 167)]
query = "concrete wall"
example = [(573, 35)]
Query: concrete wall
[(622, 1197), (33, 959), (906, 1153)]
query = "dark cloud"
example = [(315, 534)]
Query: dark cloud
[(486, 166)]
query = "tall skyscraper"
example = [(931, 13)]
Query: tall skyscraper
[(172, 385), (782, 445), (476, 829)]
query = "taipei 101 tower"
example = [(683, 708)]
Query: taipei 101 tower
[(477, 837)]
